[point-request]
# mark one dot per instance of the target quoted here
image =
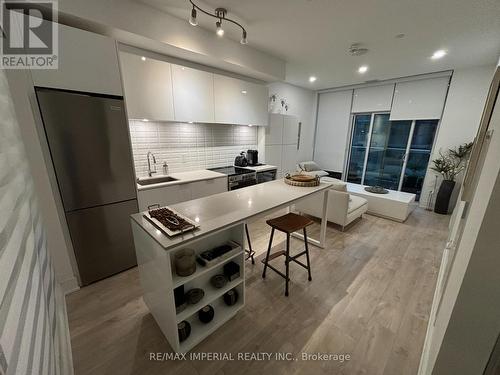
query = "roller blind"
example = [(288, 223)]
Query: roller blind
[(372, 99), (419, 100), (334, 111)]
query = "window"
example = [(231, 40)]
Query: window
[(392, 154)]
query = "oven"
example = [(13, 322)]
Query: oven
[(241, 180), (266, 176)]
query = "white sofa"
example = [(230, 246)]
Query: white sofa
[(343, 208)]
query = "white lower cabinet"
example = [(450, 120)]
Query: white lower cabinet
[(173, 194)]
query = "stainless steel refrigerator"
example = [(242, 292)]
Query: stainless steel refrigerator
[(88, 139)]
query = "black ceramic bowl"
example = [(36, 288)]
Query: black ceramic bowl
[(231, 297), (218, 281), (194, 295), (184, 330), (206, 314)]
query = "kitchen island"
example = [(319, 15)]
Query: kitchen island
[(221, 218)]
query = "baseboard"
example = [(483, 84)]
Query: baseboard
[(69, 285)]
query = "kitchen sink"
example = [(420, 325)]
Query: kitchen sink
[(155, 180)]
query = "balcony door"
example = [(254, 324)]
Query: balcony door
[(391, 154)]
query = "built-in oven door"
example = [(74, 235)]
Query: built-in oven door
[(241, 184), (266, 176)]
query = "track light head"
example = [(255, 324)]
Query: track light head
[(219, 30), (244, 37), (192, 20)]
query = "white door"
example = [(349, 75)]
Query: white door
[(289, 159), (148, 87), (290, 130), (193, 92), (273, 156), (274, 132)]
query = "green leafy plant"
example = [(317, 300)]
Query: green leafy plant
[(452, 162)]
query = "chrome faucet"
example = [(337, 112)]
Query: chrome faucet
[(150, 172)]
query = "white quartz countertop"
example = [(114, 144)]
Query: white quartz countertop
[(261, 168), (182, 178), (224, 209)]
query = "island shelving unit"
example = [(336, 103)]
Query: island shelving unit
[(158, 279), (221, 218)]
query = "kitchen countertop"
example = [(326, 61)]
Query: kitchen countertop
[(182, 178), (261, 168), (224, 209)]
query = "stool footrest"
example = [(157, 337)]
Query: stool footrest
[(278, 272), (275, 255)]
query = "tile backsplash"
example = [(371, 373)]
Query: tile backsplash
[(187, 147)]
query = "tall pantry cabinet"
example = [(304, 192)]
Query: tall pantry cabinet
[(282, 142)]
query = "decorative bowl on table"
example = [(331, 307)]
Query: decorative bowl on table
[(376, 189), (301, 180)]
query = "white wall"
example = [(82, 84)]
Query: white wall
[(462, 113), (302, 103), (34, 334), (467, 321), (59, 245), (138, 24)]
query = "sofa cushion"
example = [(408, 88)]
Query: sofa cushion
[(309, 166), (355, 202), (336, 183), (319, 173)]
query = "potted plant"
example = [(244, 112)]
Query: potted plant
[(449, 165)]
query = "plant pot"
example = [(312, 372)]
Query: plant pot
[(443, 197)]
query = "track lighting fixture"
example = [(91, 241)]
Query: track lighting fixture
[(192, 20), (244, 37), (220, 14), (219, 30)]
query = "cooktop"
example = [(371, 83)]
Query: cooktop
[(230, 170)]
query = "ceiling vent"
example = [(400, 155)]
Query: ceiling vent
[(357, 50)]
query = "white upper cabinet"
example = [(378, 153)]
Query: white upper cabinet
[(148, 87), (193, 92), (86, 62), (372, 99), (419, 100), (240, 102)]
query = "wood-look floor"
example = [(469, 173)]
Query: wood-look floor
[(370, 298)]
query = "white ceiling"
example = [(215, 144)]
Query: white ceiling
[(313, 36)]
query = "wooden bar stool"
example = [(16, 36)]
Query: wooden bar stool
[(249, 251), (288, 224)]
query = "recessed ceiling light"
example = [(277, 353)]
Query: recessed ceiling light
[(312, 79), (143, 58), (243, 91), (362, 69), (438, 54), (250, 125), (145, 120)]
